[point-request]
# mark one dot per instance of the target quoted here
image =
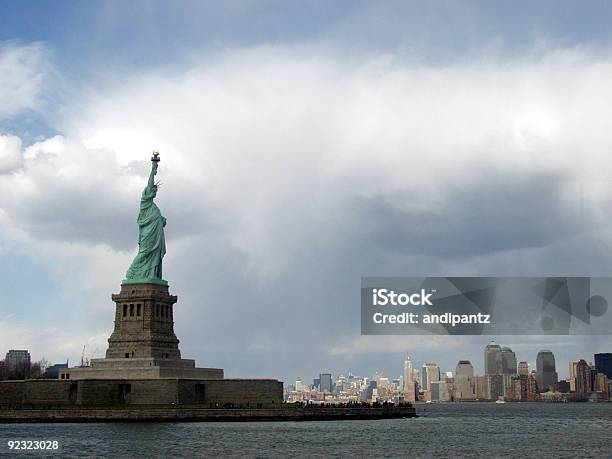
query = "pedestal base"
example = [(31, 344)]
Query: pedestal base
[(141, 368)]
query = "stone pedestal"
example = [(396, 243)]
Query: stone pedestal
[(144, 323), (143, 343)]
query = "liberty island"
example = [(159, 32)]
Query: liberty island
[(143, 376)]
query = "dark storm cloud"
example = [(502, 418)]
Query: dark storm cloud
[(499, 211)]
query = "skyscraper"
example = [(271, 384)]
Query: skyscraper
[(407, 373), (439, 391), (508, 359), (480, 387), (416, 375), (494, 387), (546, 374), (431, 374), (464, 381), (325, 382), (424, 385), (601, 384), (493, 359), (583, 378), (603, 364)]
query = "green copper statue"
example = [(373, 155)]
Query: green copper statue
[(147, 266)]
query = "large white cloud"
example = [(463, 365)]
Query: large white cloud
[(10, 153), (287, 175), (282, 135)]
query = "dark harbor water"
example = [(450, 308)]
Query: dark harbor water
[(450, 430)]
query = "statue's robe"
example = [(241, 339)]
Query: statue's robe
[(151, 241)]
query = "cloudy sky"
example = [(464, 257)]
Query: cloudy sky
[(304, 145)]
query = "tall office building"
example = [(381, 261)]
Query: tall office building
[(523, 368), (431, 374), (17, 364), (423, 381), (601, 384), (416, 376), (325, 383), (508, 359), (464, 381), (410, 393), (480, 387), (440, 392), (583, 378), (407, 373), (572, 368), (494, 387), (493, 359), (368, 393), (523, 388), (603, 363), (546, 374)]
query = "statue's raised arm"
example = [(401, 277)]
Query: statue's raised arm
[(147, 265), (151, 188)]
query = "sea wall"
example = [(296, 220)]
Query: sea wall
[(222, 393), (283, 412)]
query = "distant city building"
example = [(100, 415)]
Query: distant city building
[(431, 374), (299, 385), (572, 369), (583, 378), (341, 384), (523, 368), (603, 363), (480, 387), (464, 387), (416, 375), (53, 371), (3, 371), (18, 364), (546, 371), (524, 388), (493, 359), (424, 385), (325, 383), (440, 391), (508, 359), (410, 392), (564, 387), (368, 393), (601, 385), (407, 373), (494, 387)]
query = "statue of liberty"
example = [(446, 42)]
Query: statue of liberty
[(147, 265)]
